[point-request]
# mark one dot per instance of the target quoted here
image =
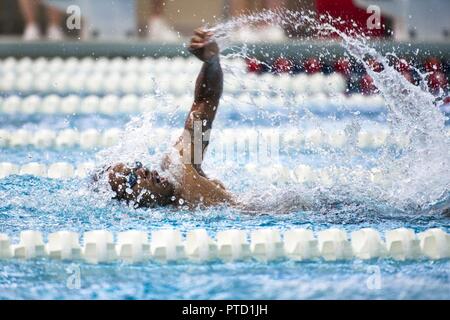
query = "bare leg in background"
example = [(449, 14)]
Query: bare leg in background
[(29, 11), (55, 17), (158, 27)]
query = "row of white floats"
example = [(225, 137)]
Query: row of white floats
[(131, 103), (302, 174), (58, 170), (67, 138), (89, 75), (92, 138), (91, 65), (230, 245), (275, 174), (179, 83)]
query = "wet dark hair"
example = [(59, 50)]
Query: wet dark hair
[(119, 184)]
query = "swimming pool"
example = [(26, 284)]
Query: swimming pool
[(50, 205), (305, 156), (36, 203)]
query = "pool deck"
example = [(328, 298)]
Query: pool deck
[(140, 48)]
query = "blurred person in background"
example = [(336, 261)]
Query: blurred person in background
[(29, 9), (158, 27), (266, 32)]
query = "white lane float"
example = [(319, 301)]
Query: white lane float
[(325, 177), (19, 138), (7, 82), (435, 243), (315, 137), (70, 104), (95, 83), (50, 104), (293, 138), (109, 105), (11, 104), (112, 85), (166, 245), (303, 174), (90, 104), (99, 247), (334, 245), (5, 247), (110, 137), (365, 140), (133, 246), (4, 137), (233, 245), (8, 169), (278, 174), (64, 245), (380, 138), (61, 170), (367, 244), (67, 138), (402, 244), (300, 244), (129, 104), (30, 104), (199, 246), (337, 139), (334, 83), (89, 139), (31, 245), (43, 138), (34, 169), (266, 244), (84, 169)]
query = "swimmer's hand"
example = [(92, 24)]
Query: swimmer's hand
[(202, 46)]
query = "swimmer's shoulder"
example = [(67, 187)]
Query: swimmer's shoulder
[(200, 189), (193, 186)]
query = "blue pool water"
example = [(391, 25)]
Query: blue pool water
[(35, 203), (47, 205)]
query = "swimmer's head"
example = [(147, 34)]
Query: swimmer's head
[(137, 183)]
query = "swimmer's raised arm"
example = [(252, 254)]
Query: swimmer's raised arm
[(209, 84), (208, 90)]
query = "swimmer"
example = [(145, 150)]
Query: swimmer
[(145, 187)]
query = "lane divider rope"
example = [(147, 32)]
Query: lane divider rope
[(229, 245), (302, 174), (135, 75), (111, 104), (287, 137)]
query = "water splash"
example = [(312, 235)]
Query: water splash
[(415, 176), (420, 174)]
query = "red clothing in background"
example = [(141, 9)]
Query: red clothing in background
[(349, 13)]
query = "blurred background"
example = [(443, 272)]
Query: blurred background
[(74, 72), (171, 20), (417, 31)]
